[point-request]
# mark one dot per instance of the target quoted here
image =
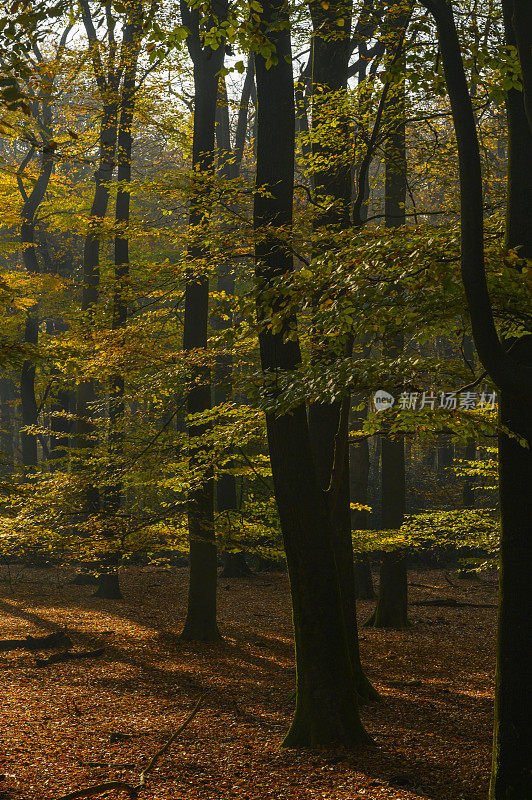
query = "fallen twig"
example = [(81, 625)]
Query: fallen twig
[(131, 789), (154, 759), (450, 602), (100, 788), (57, 658)]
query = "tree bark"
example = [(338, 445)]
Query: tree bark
[(326, 697), (109, 587), (391, 610), (511, 774), (132, 42), (31, 263), (7, 428), (330, 56), (201, 623), (229, 163)]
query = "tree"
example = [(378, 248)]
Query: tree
[(328, 422), (41, 107), (108, 78), (392, 604), (326, 696), (510, 367), (201, 624), (229, 166)]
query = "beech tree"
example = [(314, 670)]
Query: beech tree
[(510, 366), (392, 604), (326, 691), (201, 624)]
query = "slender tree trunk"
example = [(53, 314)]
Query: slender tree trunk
[(470, 450), (358, 483), (27, 394), (229, 163), (132, 40), (32, 266), (62, 403), (201, 623), (391, 610), (326, 697), (86, 392), (7, 428)]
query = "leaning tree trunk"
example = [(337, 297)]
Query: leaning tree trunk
[(326, 698), (201, 623)]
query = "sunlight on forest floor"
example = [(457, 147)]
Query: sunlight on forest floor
[(56, 724)]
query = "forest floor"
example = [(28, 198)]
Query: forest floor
[(79, 723)]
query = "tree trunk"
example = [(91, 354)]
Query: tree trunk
[(512, 741), (109, 587), (201, 624), (391, 609), (359, 464), (235, 565), (7, 428), (229, 163), (326, 698), (512, 373), (62, 403), (86, 395), (27, 395), (364, 579), (124, 144), (32, 266), (470, 450), (330, 55)]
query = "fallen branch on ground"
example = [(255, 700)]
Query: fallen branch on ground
[(57, 658), (57, 639), (450, 602), (131, 789)]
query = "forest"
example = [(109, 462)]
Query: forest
[(265, 399)]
